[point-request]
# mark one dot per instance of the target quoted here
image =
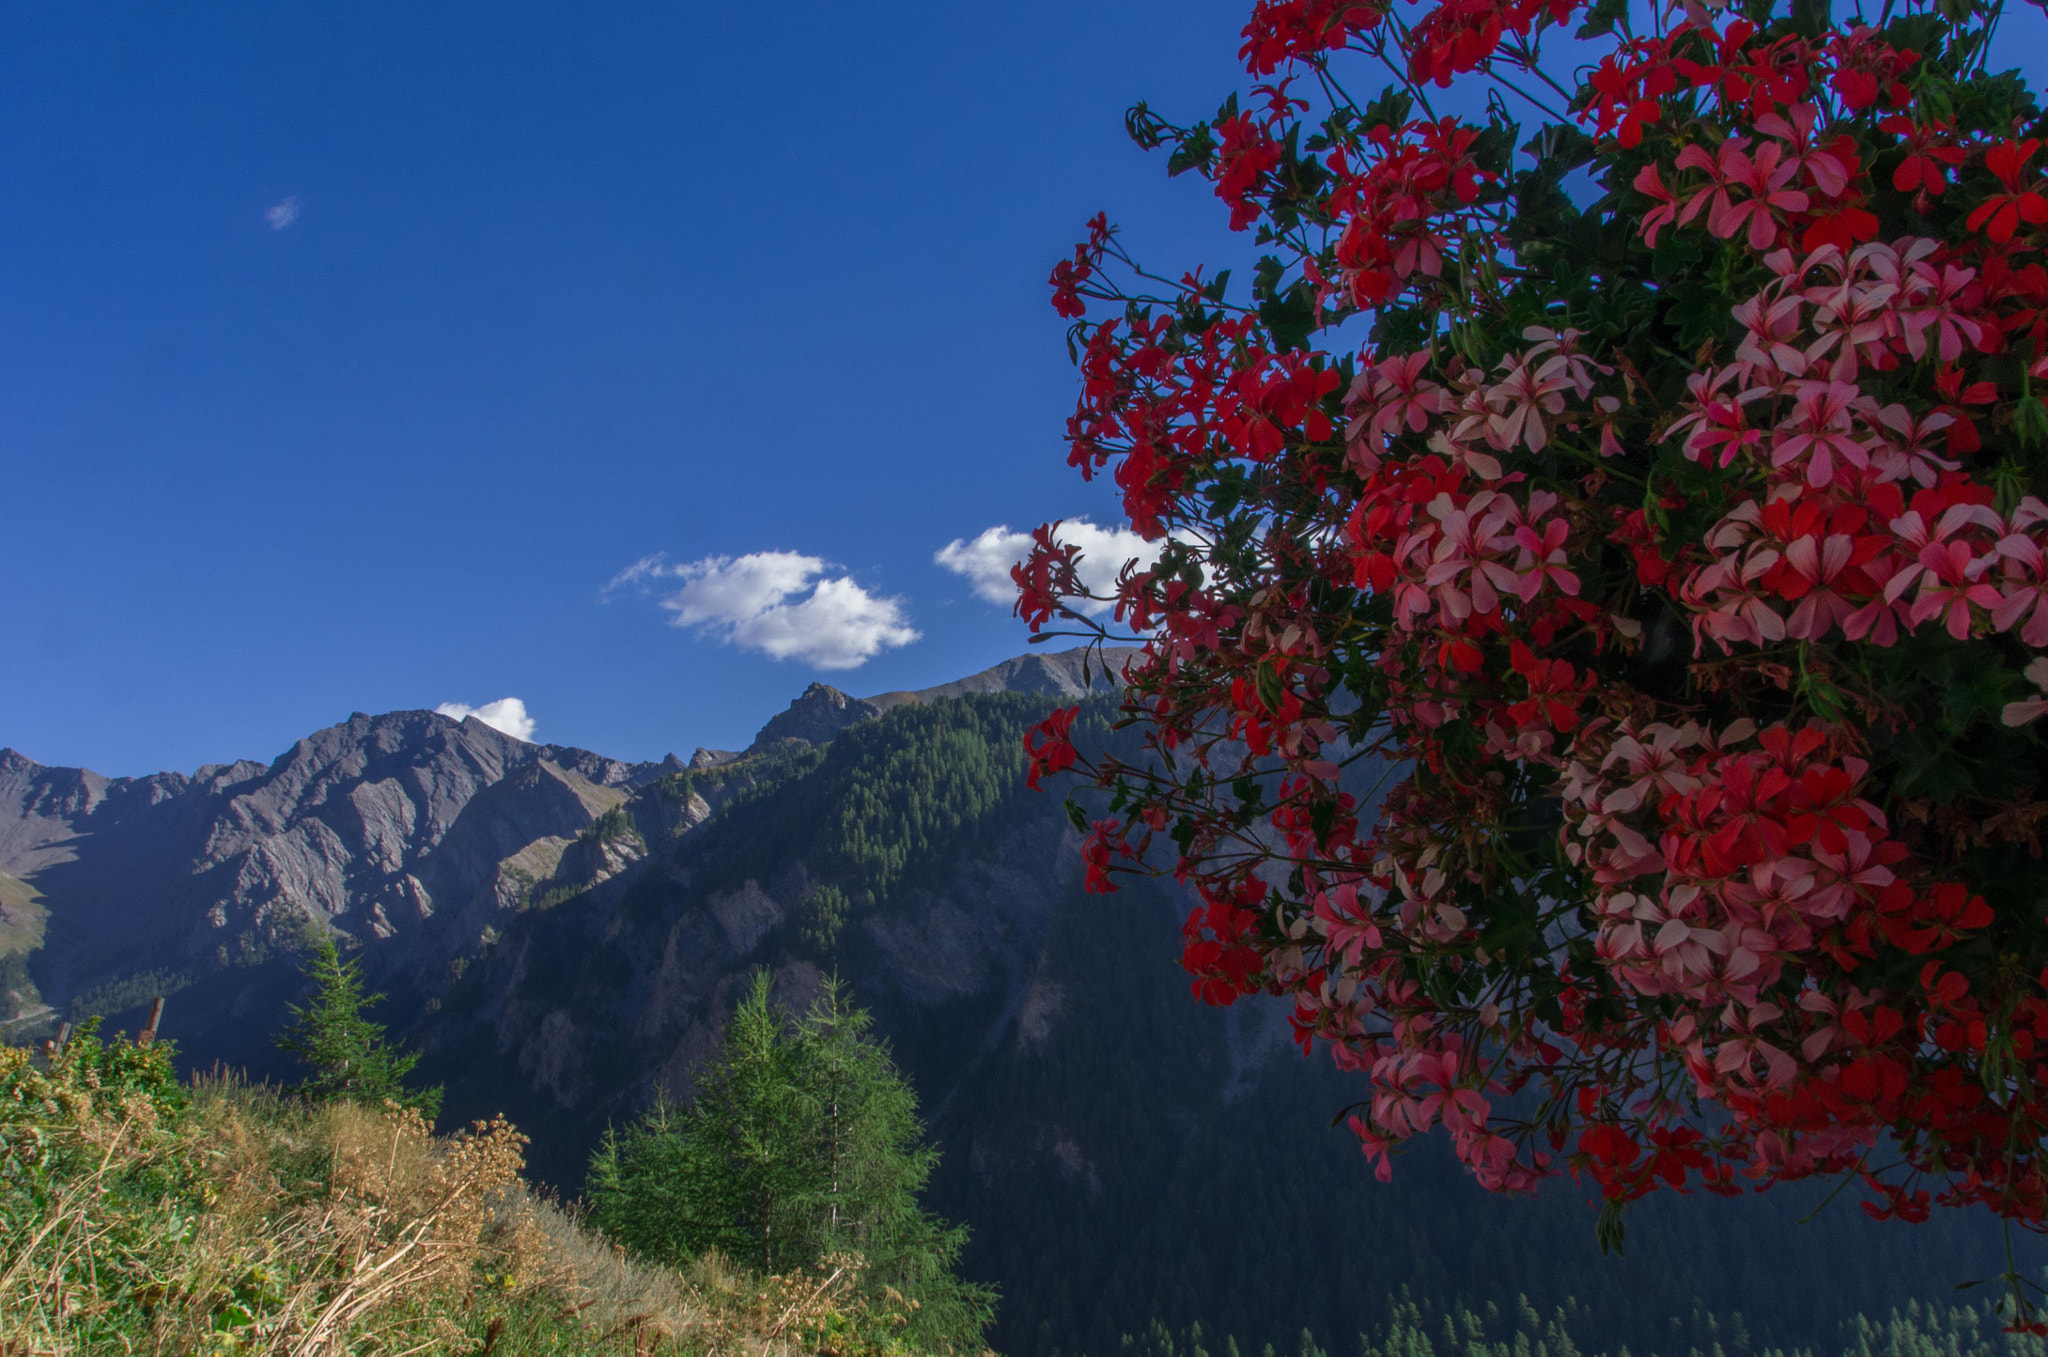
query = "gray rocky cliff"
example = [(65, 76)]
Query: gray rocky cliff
[(1064, 675), (370, 829)]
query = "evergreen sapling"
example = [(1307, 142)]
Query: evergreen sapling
[(801, 1144), (346, 1053)]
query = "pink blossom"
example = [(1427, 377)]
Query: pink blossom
[(1826, 172), (1950, 581), (1650, 183), (1820, 431)]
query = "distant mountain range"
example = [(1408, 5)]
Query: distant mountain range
[(563, 936), (410, 829)]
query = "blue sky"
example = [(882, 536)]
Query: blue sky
[(349, 353)]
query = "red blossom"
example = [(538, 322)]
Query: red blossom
[(2022, 201)]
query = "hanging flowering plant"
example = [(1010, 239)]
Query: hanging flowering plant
[(1651, 503)]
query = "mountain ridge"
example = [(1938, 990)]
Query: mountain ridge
[(408, 827)]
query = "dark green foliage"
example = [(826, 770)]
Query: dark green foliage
[(131, 991), (820, 918), (613, 826), (548, 899), (346, 1053), (802, 1144)]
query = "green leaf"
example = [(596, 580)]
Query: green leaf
[(1391, 109), (1290, 317), (1145, 127), (1601, 18), (2030, 422), (1192, 150), (1811, 18)]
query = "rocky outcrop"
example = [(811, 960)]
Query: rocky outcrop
[(821, 712), (645, 978), (412, 835), (419, 839)]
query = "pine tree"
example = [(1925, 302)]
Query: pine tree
[(346, 1053), (802, 1141)]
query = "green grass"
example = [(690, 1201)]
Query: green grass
[(22, 916)]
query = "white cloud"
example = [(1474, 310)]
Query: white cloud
[(507, 714), (281, 215), (780, 603), (986, 560)]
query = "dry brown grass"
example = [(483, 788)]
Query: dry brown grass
[(244, 1223)]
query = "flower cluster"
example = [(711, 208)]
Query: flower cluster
[(1606, 701)]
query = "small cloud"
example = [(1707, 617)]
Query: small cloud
[(281, 215), (647, 567), (507, 714), (775, 602), (985, 561)]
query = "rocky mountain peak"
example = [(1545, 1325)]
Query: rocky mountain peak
[(815, 717)]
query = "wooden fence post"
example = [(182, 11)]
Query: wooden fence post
[(147, 1036)]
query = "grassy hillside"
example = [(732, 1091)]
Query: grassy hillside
[(21, 916), (22, 920), (139, 1216)]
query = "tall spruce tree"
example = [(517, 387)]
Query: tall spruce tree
[(346, 1054), (802, 1141)]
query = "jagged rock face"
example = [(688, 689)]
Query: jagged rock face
[(823, 711), (372, 827), (815, 717)]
